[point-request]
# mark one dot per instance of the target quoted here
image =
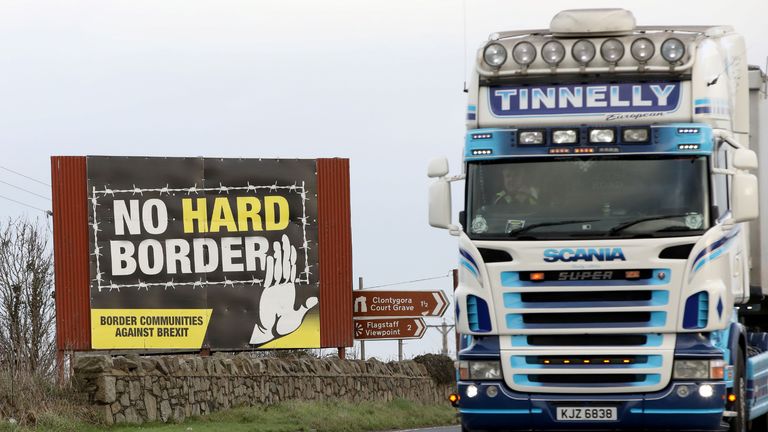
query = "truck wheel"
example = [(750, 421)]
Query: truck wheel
[(739, 423)]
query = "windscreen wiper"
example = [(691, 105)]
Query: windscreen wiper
[(625, 225), (544, 224)]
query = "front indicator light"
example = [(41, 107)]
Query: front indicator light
[(672, 50), (566, 136), (731, 398), (524, 53), (634, 135), (706, 391), (495, 55), (531, 138), (683, 391), (717, 369), (601, 136), (538, 276), (472, 391), (453, 398), (642, 49)]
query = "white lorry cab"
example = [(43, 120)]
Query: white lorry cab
[(611, 254)]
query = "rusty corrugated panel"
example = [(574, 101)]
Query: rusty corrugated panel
[(335, 238), (70, 247)]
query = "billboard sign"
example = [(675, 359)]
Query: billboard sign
[(188, 253)]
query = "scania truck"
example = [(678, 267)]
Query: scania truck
[(612, 259)]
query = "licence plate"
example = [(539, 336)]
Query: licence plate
[(587, 413)]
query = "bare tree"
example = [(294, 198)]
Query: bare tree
[(27, 313)]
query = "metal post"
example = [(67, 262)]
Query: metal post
[(400, 350), (362, 342), (444, 332)]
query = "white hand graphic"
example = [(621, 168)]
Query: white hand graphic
[(277, 317)]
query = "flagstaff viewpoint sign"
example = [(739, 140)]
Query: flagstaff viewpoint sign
[(194, 252)]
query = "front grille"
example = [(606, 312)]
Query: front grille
[(614, 321), (566, 379), (587, 340), (589, 296), (587, 318)]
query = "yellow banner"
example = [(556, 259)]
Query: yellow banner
[(149, 328)]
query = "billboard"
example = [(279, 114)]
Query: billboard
[(188, 253)]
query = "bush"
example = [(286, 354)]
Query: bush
[(440, 367)]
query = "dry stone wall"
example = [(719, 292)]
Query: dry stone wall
[(135, 389)]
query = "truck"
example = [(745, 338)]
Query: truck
[(611, 252)]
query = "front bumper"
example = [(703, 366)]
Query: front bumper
[(659, 411)]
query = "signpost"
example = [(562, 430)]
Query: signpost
[(397, 315), (390, 328), (399, 304)]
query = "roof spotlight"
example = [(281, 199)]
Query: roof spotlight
[(612, 50), (553, 52), (524, 53), (642, 49), (672, 50), (583, 51), (495, 55)]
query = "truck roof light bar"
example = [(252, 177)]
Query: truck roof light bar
[(611, 50)]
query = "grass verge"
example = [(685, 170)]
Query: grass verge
[(328, 416)]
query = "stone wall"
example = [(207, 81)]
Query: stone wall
[(136, 389)]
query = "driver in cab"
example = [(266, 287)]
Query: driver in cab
[(516, 189)]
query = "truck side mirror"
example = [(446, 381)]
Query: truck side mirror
[(745, 204), (745, 159), (438, 168), (440, 205)]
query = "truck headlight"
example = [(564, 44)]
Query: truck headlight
[(602, 136), (495, 55), (635, 135), (553, 52), (565, 136), (531, 137), (612, 50), (524, 53), (691, 369), (672, 50), (642, 49), (484, 370), (583, 51)]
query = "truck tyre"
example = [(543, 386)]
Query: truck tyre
[(739, 423)]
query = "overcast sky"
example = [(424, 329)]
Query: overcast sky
[(378, 82)]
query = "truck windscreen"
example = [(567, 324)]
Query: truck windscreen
[(587, 197)]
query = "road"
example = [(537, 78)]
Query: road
[(455, 428)]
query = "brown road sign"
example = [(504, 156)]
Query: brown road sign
[(371, 303), (392, 328)]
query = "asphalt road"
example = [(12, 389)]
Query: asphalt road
[(436, 429)]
